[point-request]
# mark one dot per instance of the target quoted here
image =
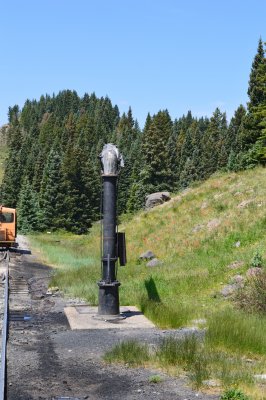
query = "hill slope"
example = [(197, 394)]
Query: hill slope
[(207, 238), (198, 235)]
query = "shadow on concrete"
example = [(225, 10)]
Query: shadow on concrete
[(130, 313)]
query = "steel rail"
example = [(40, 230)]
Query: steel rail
[(3, 257), (4, 330)]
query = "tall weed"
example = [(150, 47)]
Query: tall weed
[(129, 352)]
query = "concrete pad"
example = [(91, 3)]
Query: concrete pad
[(86, 317)]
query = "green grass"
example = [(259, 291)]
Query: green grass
[(189, 355), (77, 271), (202, 361), (129, 352), (187, 285), (184, 352), (238, 331), (167, 315)]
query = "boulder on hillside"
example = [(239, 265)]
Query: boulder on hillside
[(237, 282), (236, 265), (245, 203), (213, 224), (229, 290), (154, 199), (148, 255), (254, 271), (197, 228), (154, 263)]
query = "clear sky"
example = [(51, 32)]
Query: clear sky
[(148, 54)]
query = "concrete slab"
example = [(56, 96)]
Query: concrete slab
[(86, 317)]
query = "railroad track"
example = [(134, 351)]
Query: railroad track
[(4, 290), (11, 284)]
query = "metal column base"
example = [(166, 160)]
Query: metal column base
[(109, 299)]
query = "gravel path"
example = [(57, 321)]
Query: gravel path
[(46, 360)]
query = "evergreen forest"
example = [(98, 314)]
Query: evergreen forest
[(52, 172)]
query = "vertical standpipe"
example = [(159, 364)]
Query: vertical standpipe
[(111, 161)]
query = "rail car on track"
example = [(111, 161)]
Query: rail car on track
[(8, 227)]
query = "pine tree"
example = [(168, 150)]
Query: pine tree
[(147, 123), (136, 190), (235, 139), (11, 184), (28, 209), (260, 113), (213, 141), (81, 191), (188, 173), (75, 129), (50, 192), (190, 155), (47, 134), (236, 130), (91, 192), (156, 156), (69, 132), (197, 153), (126, 135), (255, 90), (39, 157), (172, 165), (252, 138), (185, 158)]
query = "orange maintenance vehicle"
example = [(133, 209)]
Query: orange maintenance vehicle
[(8, 226)]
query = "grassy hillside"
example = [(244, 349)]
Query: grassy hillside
[(204, 236), (197, 236)]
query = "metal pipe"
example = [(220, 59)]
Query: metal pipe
[(109, 228), (111, 160)]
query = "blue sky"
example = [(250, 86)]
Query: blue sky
[(148, 54)]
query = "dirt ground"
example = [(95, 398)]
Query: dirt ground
[(46, 360)]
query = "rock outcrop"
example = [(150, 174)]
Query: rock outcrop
[(154, 199)]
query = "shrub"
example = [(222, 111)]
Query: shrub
[(234, 394), (257, 260), (252, 298), (155, 379)]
